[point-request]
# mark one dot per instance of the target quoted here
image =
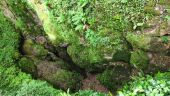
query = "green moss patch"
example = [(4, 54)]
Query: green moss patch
[(139, 59)]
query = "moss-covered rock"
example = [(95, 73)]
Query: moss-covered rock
[(22, 17), (57, 72), (28, 65), (148, 43), (114, 78), (32, 49), (60, 78), (139, 59), (85, 57), (122, 56), (47, 19), (151, 10), (164, 2), (92, 29), (159, 62), (67, 80), (139, 41)]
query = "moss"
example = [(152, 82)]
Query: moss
[(151, 10), (28, 65), (151, 3), (164, 2), (33, 49), (50, 27), (139, 41), (139, 59), (62, 64), (86, 57), (122, 56), (63, 21), (25, 19), (65, 79), (40, 51), (114, 78), (164, 25)]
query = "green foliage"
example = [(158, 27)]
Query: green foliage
[(95, 39), (11, 78), (106, 78), (16, 83), (8, 45), (90, 18), (37, 88), (165, 39), (139, 59), (158, 85), (92, 28), (89, 93)]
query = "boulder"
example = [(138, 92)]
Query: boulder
[(58, 73), (159, 62), (114, 78), (28, 65), (139, 59), (148, 43), (60, 78), (30, 48)]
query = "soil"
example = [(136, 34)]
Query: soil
[(91, 83)]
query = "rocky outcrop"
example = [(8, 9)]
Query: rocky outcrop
[(61, 43)]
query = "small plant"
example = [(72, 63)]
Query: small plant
[(158, 85), (165, 39)]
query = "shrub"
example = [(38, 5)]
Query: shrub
[(8, 45), (157, 85), (89, 93)]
